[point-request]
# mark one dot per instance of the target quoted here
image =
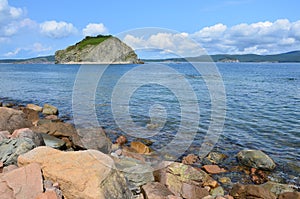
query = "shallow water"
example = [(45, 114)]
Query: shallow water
[(262, 104)]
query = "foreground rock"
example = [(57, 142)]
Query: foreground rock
[(24, 182), (155, 190), (11, 119), (251, 192), (84, 174), (256, 159), (10, 149)]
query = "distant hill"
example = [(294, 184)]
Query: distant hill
[(35, 60), (293, 56)]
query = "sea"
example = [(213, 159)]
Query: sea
[(181, 107)]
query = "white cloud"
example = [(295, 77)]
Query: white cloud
[(31, 49), (57, 30), (13, 53), (38, 47), (94, 29)]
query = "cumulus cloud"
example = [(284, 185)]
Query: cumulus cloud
[(167, 43), (94, 29), (261, 37), (57, 30)]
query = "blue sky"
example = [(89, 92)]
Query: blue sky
[(30, 28)]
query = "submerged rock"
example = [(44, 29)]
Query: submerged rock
[(239, 191), (82, 174), (256, 159)]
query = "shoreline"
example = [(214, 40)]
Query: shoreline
[(140, 151)]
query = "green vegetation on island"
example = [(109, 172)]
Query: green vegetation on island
[(88, 40)]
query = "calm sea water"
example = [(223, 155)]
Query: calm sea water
[(262, 103)]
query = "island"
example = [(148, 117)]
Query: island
[(102, 49)]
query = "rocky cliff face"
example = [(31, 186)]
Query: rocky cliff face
[(90, 50)]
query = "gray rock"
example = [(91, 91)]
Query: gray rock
[(10, 149), (216, 158), (277, 188), (94, 138), (256, 159), (218, 191), (11, 119), (136, 173), (50, 110), (28, 133), (52, 141), (111, 50)]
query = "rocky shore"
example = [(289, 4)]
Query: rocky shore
[(42, 157)]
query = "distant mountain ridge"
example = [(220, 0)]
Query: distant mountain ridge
[(293, 56)]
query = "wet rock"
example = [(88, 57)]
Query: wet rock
[(82, 174), (155, 190), (289, 195), (0, 104), (225, 180), (213, 169), (28, 133), (10, 149), (50, 110), (239, 191), (52, 141), (190, 159), (145, 141), (277, 188), (216, 158), (11, 120), (24, 182), (218, 191), (140, 147), (131, 153), (34, 107), (8, 105), (258, 176), (121, 140), (256, 159)]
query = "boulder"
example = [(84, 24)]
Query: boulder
[(216, 158), (52, 141), (24, 182), (82, 174), (11, 119), (50, 110), (193, 192), (213, 169), (155, 190), (181, 177), (31, 115), (28, 133), (10, 149), (94, 138), (48, 195), (4, 135), (136, 172), (239, 191), (34, 107), (277, 188), (256, 159), (289, 195)]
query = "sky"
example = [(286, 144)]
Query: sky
[(30, 28)]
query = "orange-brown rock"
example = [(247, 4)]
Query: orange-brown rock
[(48, 195), (34, 107), (289, 195), (213, 169), (24, 182), (121, 140), (155, 190), (81, 174), (31, 115), (140, 147), (190, 159), (239, 191)]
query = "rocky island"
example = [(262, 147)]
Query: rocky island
[(102, 49)]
